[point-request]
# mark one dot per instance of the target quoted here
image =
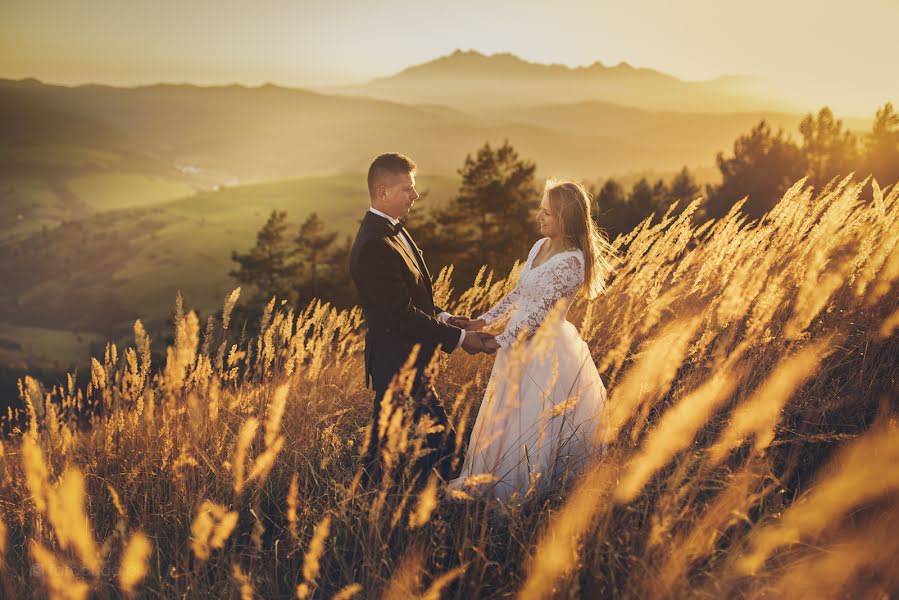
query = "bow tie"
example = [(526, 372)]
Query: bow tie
[(394, 229)]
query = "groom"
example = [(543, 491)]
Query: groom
[(394, 289)]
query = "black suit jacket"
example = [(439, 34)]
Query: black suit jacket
[(395, 294)]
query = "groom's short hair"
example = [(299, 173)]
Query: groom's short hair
[(390, 163)]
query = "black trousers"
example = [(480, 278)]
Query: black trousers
[(441, 444)]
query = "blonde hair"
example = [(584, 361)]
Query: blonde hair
[(570, 205)]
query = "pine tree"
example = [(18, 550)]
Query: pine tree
[(313, 244), (764, 165), (492, 220), (646, 199), (610, 208), (683, 189), (339, 287), (829, 150), (882, 146), (269, 265)]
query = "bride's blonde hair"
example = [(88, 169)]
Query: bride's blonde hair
[(570, 204)]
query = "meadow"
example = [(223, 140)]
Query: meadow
[(35, 346), (751, 445)]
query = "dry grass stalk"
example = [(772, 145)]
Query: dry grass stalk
[(312, 558), (134, 567), (211, 528), (863, 470)]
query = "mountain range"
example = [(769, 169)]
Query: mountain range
[(473, 81), (581, 126)]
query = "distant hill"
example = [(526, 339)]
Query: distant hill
[(42, 132), (474, 81), (611, 134), (268, 132), (265, 132), (59, 164)]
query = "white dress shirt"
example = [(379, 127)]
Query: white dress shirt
[(442, 316)]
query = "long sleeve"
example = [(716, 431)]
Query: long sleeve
[(502, 308), (381, 282), (505, 306), (562, 281)]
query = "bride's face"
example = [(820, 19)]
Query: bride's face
[(546, 219)]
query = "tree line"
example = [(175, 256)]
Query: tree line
[(762, 166), (491, 218), (295, 268)]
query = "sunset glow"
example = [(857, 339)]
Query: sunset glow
[(806, 54)]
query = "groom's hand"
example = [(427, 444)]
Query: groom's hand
[(473, 343), (476, 342)]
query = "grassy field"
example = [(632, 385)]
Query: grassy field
[(751, 443), (45, 347), (113, 191), (339, 199), (27, 205), (46, 184)]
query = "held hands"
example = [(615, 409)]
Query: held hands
[(476, 342), (490, 344), (467, 324), (476, 324)]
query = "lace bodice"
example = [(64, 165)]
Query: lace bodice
[(537, 290)]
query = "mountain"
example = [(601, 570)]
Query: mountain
[(269, 132), (44, 135), (613, 135), (473, 81)]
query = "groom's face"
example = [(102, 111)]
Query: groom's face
[(398, 194)]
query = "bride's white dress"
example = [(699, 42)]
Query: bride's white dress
[(543, 402)]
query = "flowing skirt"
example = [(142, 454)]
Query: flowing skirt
[(537, 423)]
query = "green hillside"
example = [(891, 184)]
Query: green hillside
[(27, 204), (99, 273), (111, 191), (38, 347), (36, 202), (57, 165)]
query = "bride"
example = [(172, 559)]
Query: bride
[(541, 407)]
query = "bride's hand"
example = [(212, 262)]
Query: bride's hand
[(476, 325), (491, 345), (460, 322)]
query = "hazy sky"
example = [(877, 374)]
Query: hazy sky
[(843, 54)]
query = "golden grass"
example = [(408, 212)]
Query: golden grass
[(134, 565), (750, 440)]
